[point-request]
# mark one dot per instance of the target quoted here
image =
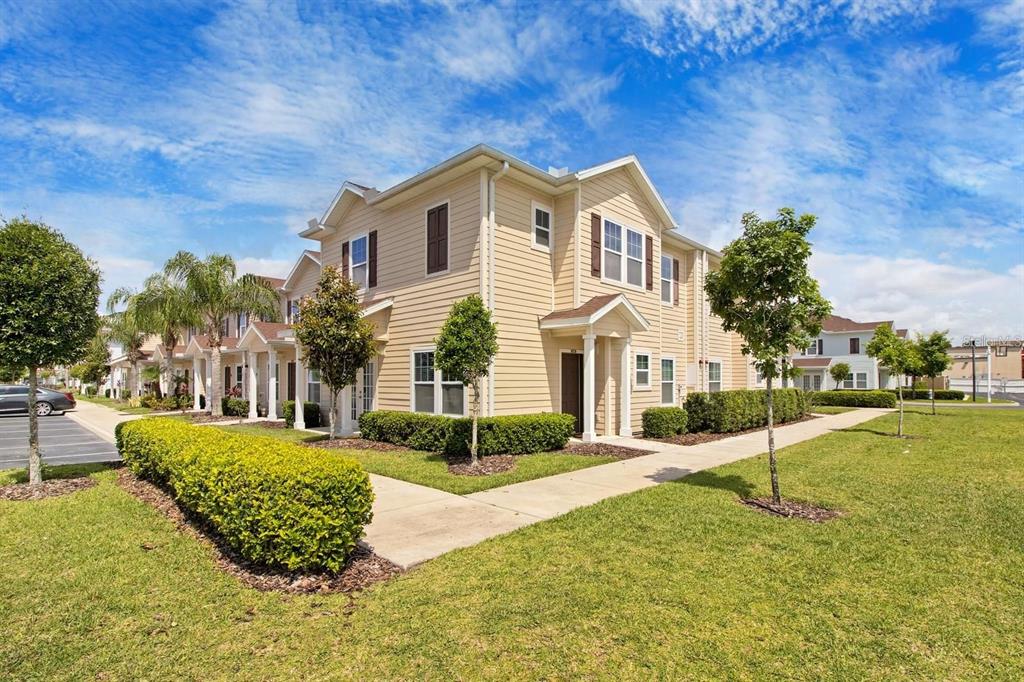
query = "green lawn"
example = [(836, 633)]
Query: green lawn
[(289, 435), (119, 405), (923, 578), (431, 469), (830, 409)]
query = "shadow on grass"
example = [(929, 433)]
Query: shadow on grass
[(733, 483), (61, 471), (885, 434)]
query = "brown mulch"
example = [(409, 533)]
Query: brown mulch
[(708, 437), (363, 569), (210, 419), (52, 488), (602, 450), (792, 510), (356, 444), (491, 464)]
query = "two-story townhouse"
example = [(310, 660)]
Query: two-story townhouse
[(843, 340), (598, 298)]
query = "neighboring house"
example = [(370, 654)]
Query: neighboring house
[(843, 340), (1007, 361), (592, 288)]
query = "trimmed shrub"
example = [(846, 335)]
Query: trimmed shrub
[(698, 412), (234, 407), (730, 411), (922, 394), (277, 504), (854, 398), (310, 413), (663, 422), (509, 434), (512, 434)]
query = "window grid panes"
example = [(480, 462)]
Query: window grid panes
[(423, 381), (313, 385), (635, 258), (848, 381), (643, 369), (357, 259), (368, 386), (714, 377), (668, 381), (666, 279), (612, 251), (862, 380), (541, 228)]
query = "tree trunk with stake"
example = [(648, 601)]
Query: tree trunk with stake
[(35, 463), (476, 411), (772, 462), (332, 417), (899, 390)]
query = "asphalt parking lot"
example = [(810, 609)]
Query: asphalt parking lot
[(61, 440)]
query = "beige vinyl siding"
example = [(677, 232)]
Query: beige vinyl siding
[(421, 303), (305, 282), (524, 293)]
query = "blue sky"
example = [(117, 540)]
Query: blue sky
[(142, 128)]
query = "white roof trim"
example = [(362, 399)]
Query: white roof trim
[(638, 321), (291, 273), (378, 306)]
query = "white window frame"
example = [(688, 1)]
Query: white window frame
[(667, 280), (239, 377), (662, 382), (721, 371), (848, 382), (858, 382), (363, 264), (636, 370), (243, 323), (534, 207), (447, 242), (310, 383), (623, 254), (438, 382)]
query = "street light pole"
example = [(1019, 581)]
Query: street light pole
[(974, 374)]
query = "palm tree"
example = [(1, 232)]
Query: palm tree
[(215, 291), (165, 308), (125, 329)]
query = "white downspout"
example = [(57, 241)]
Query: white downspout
[(492, 229)]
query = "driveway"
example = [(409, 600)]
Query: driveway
[(61, 440)]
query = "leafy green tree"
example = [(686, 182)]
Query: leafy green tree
[(465, 349), (10, 375), (215, 291), (336, 339), (126, 330), (95, 368), (163, 307), (838, 372), (895, 354), (763, 291), (933, 357), (49, 293)]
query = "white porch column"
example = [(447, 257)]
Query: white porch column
[(300, 390), (589, 435), (208, 381), (625, 377), (252, 390), (196, 378), (272, 384), (345, 407)]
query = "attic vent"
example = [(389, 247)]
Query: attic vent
[(558, 172)]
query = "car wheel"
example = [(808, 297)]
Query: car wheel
[(43, 409)]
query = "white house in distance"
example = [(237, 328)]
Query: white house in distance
[(843, 340)]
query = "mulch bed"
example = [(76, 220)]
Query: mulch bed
[(792, 510), (364, 568), (210, 419), (491, 464), (602, 450), (52, 488), (356, 444), (708, 437)]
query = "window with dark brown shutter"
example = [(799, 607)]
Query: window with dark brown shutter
[(595, 244), (650, 262), (344, 260), (437, 239), (371, 279), (675, 280)]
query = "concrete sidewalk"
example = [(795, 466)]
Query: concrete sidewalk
[(100, 419)]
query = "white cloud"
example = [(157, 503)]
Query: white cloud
[(271, 267), (922, 295)]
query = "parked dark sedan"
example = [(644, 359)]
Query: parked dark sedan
[(14, 400)]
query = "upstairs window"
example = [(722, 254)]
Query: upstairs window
[(817, 347), (243, 322), (541, 227), (1001, 351), (623, 243), (358, 261), (437, 239), (855, 346), (634, 258), (666, 280)]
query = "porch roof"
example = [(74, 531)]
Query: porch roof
[(261, 334), (811, 363), (593, 310)]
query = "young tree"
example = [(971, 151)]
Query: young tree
[(49, 292), (465, 349), (126, 330), (336, 339), (763, 291), (10, 375), (95, 367), (933, 356), (838, 372), (215, 291), (895, 354)]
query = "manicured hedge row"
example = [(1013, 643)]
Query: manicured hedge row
[(729, 411), (509, 434), (277, 504), (854, 398), (234, 407), (663, 422), (922, 394), (310, 413)]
